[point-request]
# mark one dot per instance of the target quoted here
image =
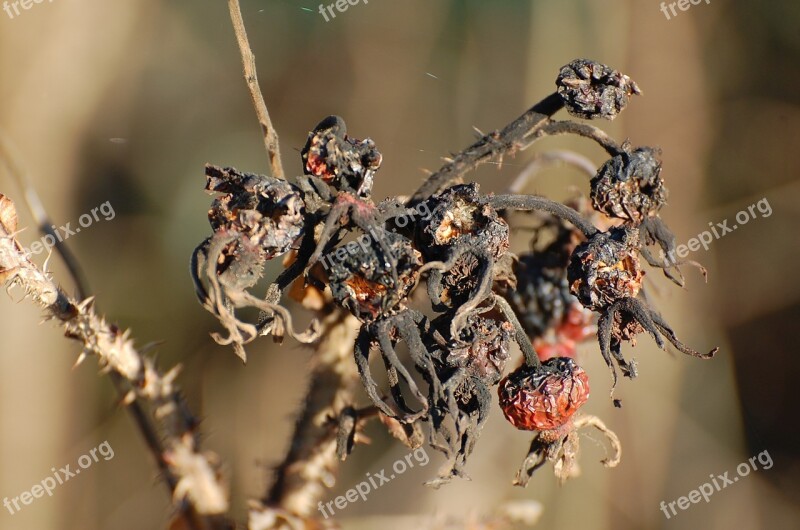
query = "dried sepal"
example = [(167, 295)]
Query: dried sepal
[(562, 446)]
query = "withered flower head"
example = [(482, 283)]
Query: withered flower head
[(606, 268), (361, 274), (263, 214), (629, 186), (345, 163), (458, 220), (543, 398), (593, 90), (482, 346)]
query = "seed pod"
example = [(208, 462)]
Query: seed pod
[(629, 186), (345, 163), (606, 268), (592, 90), (265, 211), (543, 398), (361, 277)]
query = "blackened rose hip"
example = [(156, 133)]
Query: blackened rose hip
[(592, 90), (629, 186), (606, 268)]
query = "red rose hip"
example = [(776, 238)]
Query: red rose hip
[(545, 397)]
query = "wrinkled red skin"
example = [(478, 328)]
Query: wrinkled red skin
[(316, 166), (539, 403)]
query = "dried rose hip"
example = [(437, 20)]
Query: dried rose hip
[(482, 347), (606, 268), (592, 90), (459, 221), (361, 278), (265, 211), (345, 163), (543, 398), (467, 234), (629, 186)]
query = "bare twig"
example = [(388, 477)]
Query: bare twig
[(581, 129), (250, 77), (193, 480), (493, 146), (311, 462), (532, 202)]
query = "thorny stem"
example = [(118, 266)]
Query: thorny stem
[(190, 476), (251, 78), (140, 416), (311, 462), (491, 147)]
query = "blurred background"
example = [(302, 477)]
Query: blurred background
[(126, 101)]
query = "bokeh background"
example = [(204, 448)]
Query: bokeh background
[(126, 101)]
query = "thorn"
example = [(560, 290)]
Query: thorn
[(80, 359), (86, 304), (129, 398), (46, 262)]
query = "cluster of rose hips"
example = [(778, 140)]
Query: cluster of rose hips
[(478, 295)]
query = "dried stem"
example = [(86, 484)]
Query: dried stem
[(581, 129), (250, 77), (491, 147), (190, 475), (532, 202), (311, 462)]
